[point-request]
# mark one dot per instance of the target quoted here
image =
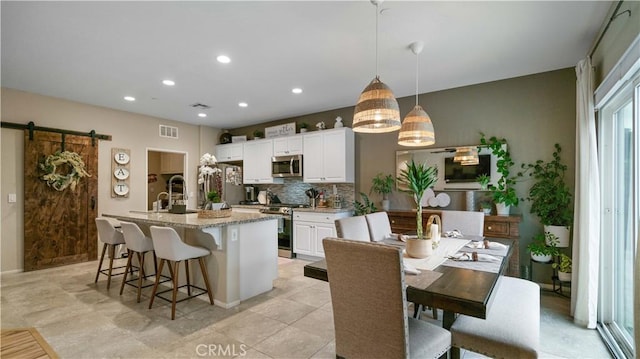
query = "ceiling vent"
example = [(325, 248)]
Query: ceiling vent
[(168, 131), (200, 106)]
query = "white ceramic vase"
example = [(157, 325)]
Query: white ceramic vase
[(561, 233), (419, 248), (385, 204), (541, 258), (502, 209), (564, 276)]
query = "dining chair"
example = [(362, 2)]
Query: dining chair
[(111, 237), (467, 222), (373, 272), (354, 228), (512, 326), (379, 226)]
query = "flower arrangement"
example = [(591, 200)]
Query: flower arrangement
[(69, 160), (208, 169)]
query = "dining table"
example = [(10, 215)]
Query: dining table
[(456, 287)]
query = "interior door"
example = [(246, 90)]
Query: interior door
[(59, 226)]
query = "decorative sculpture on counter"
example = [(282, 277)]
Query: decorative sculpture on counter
[(320, 125)]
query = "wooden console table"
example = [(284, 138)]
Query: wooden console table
[(404, 221)]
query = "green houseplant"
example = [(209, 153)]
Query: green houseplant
[(383, 185), (303, 127), (551, 197), (258, 134), (503, 192), (484, 180), (540, 251), (417, 178), (564, 267), (364, 207)]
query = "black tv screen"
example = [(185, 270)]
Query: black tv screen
[(455, 172)]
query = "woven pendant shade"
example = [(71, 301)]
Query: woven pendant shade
[(470, 162), (377, 110), (466, 154), (417, 129)]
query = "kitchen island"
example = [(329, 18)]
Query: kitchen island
[(244, 250)]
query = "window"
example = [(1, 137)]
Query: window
[(618, 147)]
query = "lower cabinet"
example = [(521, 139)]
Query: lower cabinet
[(310, 228)]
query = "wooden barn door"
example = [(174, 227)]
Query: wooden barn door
[(59, 226)]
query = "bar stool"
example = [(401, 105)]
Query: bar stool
[(111, 237), (169, 247), (139, 244)]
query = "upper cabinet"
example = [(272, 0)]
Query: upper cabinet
[(229, 152), (329, 156), (171, 163), (284, 146), (257, 162)]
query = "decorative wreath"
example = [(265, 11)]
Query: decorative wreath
[(70, 161)]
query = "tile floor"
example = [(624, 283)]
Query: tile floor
[(80, 319)]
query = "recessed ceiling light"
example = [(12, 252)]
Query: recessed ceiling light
[(168, 82), (223, 59), (296, 90), (202, 114), (129, 98), (243, 104)]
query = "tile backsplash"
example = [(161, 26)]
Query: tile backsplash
[(292, 191)]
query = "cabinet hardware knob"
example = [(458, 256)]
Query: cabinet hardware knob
[(489, 228)]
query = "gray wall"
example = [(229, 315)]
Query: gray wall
[(531, 112)]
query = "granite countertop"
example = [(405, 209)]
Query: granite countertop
[(190, 220), (323, 210)]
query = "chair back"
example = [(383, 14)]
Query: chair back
[(135, 238), (108, 233), (368, 299), (354, 228), (467, 222), (167, 243), (379, 226)]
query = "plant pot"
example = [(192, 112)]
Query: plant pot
[(385, 204), (542, 258), (419, 248), (303, 130), (487, 211), (562, 234), (502, 209), (564, 276)]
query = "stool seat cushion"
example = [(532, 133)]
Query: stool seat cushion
[(512, 326), (427, 340)]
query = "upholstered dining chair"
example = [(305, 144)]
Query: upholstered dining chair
[(467, 222), (373, 272), (379, 226), (354, 228), (111, 237)]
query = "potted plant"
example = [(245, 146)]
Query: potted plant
[(540, 251), (364, 207), (258, 134), (417, 178), (383, 185), (303, 127), (564, 268), (550, 196), (504, 195), (483, 180), (486, 207)]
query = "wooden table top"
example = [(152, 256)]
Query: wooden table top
[(456, 290)]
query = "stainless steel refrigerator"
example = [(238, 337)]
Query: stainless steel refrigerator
[(231, 183)]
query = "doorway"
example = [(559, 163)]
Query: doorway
[(161, 166)]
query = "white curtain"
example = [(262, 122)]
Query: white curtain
[(586, 224)]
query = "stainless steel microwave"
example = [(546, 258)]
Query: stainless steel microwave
[(286, 166)]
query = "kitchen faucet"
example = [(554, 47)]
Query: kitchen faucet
[(184, 188), (158, 205)]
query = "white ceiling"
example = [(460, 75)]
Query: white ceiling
[(98, 52)]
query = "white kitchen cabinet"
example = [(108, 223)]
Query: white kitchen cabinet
[(229, 152), (329, 156), (257, 162), (284, 146), (310, 228), (171, 163)]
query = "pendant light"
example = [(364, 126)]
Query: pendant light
[(377, 110), (417, 129), (466, 156)]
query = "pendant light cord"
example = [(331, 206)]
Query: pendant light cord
[(377, 14), (417, 56)]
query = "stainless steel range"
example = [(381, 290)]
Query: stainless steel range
[(285, 226)]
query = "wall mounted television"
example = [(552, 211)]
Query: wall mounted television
[(454, 172)]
